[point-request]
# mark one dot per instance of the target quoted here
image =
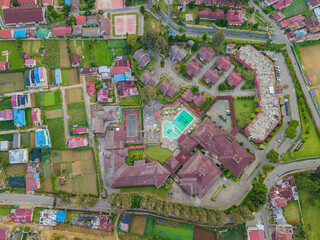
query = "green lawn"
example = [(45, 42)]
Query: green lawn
[(157, 153), (298, 6), (291, 213), (310, 215), (36, 214), (5, 210), (238, 233), (5, 103), (29, 121), (101, 53), (146, 190), (56, 132), (243, 109), (7, 125), (6, 137), (16, 60), (25, 138), (118, 46), (47, 99), (130, 101), (77, 113)]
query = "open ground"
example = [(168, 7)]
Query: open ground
[(138, 224), (291, 213), (125, 24), (54, 113), (74, 95), (70, 77), (64, 55), (11, 82)]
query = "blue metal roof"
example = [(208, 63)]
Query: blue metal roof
[(21, 33), (57, 75), (119, 77), (19, 117), (36, 74), (42, 138), (61, 217), (67, 2)]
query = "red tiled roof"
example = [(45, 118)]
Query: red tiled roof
[(211, 76), (198, 99), (314, 3), (5, 3), (282, 4), (79, 130), (278, 16), (205, 54), (27, 2), (6, 33), (256, 235), (198, 174), (283, 236), (81, 20), (24, 14), (114, 138), (187, 144), (172, 164), (75, 60), (77, 142), (187, 95), (183, 157), (2, 234), (288, 21), (206, 13), (23, 215), (280, 202), (313, 24), (234, 79), (193, 68), (120, 70), (90, 87), (61, 31), (34, 115), (48, 2), (213, 139), (123, 63), (223, 63), (234, 17)]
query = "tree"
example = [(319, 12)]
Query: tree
[(318, 171), (273, 156), (142, 9), (100, 12), (218, 38), (194, 89), (184, 38), (251, 10), (291, 132), (185, 212), (65, 199), (256, 99), (16, 3), (245, 213), (268, 168), (50, 8), (66, 10), (236, 217), (168, 208), (257, 110), (136, 200), (220, 217), (120, 201), (183, 69), (90, 202), (132, 42), (195, 46), (177, 210), (87, 12), (204, 37), (191, 4), (148, 93), (78, 200), (197, 20), (211, 218)]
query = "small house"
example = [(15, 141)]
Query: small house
[(75, 60), (19, 117), (31, 63), (77, 142), (17, 156)]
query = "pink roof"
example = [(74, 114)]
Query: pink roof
[(81, 20), (14, 100), (31, 182), (6, 114), (23, 215), (288, 21), (278, 16), (282, 4), (48, 2), (61, 31), (79, 130), (77, 142), (6, 33), (280, 202), (223, 63), (4, 65), (30, 62), (2, 234), (283, 236), (34, 116), (27, 2), (308, 79), (256, 235), (120, 70), (5, 3), (234, 17), (90, 87)]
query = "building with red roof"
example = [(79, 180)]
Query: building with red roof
[(278, 16), (4, 65), (76, 131), (24, 15), (7, 33), (208, 14), (280, 4), (61, 31), (234, 17), (282, 236), (284, 23), (81, 20), (127, 89), (32, 182), (47, 2), (211, 76), (187, 95), (90, 87), (27, 2), (77, 142), (193, 68), (3, 234), (103, 96), (198, 99), (223, 63), (36, 116), (21, 215), (313, 24), (75, 60), (120, 70), (234, 79), (206, 53), (168, 88), (6, 115), (5, 4), (198, 174), (255, 235), (313, 4)]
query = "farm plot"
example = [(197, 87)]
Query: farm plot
[(79, 163), (64, 55), (70, 77), (169, 230), (15, 169), (52, 57), (56, 131), (73, 95), (291, 213), (7, 125), (31, 47), (15, 57), (11, 82), (32, 139), (76, 113), (101, 53), (54, 113), (47, 99), (138, 224), (202, 233), (25, 138)]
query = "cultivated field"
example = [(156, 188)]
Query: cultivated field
[(77, 113), (310, 58), (46, 99), (54, 113), (238, 233), (202, 234), (16, 60), (70, 77), (56, 131), (32, 139), (138, 224), (25, 138), (31, 46), (11, 82), (64, 55), (291, 213), (73, 95), (15, 169)]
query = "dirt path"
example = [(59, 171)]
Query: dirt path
[(115, 227)]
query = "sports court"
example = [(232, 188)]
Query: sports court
[(132, 126), (109, 4), (125, 24)]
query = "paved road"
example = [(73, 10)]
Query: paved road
[(18, 131), (33, 200), (265, 222)]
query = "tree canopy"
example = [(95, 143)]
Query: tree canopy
[(155, 40), (148, 93), (273, 156), (218, 38)]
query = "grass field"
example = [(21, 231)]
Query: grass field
[(291, 213), (56, 131), (238, 233), (309, 56), (101, 53), (157, 153), (15, 169), (25, 138), (310, 215), (138, 224), (298, 6), (52, 58), (118, 46), (146, 190), (77, 113), (169, 230), (47, 99), (64, 55), (11, 82), (16, 60), (243, 109), (6, 137), (7, 125), (5, 103), (73, 95), (70, 77), (130, 101), (5, 210)]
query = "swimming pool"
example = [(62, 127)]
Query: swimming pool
[(174, 129)]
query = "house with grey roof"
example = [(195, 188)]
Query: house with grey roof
[(93, 20), (16, 141), (177, 53), (142, 57), (17, 156), (149, 79), (4, 145), (77, 31), (91, 32)]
